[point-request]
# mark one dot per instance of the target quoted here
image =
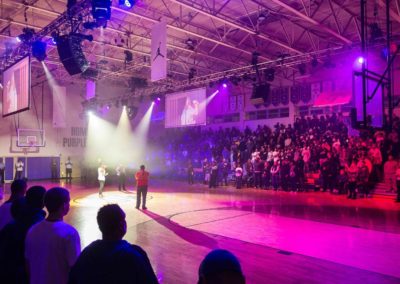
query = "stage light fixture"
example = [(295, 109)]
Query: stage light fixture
[(269, 74), (302, 68), (101, 11), (314, 62), (190, 43), (39, 50), (131, 111), (127, 3), (375, 32), (26, 36), (360, 60), (225, 85), (262, 17), (90, 25), (124, 102), (128, 56)]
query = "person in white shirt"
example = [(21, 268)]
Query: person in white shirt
[(68, 170), (19, 170), (52, 246), (102, 178), (18, 189), (239, 176)]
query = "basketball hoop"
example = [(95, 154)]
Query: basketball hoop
[(25, 151)]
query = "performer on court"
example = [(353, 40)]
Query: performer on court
[(102, 178), (142, 180)]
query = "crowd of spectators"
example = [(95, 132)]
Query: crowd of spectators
[(40, 249), (286, 156)]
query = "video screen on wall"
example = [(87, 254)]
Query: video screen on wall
[(16, 87), (186, 108)]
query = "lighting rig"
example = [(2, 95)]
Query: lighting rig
[(246, 73)]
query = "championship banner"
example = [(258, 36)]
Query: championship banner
[(159, 52), (59, 107)]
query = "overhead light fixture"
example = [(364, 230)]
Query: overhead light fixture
[(55, 37), (262, 17), (90, 25), (127, 3), (128, 56), (39, 50), (190, 43), (101, 11), (302, 68), (375, 32), (314, 62), (26, 36), (192, 73), (131, 111), (269, 74)]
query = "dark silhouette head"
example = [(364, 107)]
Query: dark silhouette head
[(35, 197), (57, 200), (111, 220), (142, 167), (220, 267), (18, 188)]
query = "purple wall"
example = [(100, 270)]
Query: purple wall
[(9, 168), (40, 167)]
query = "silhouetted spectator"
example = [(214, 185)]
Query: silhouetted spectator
[(112, 260), (26, 212), (220, 267), (52, 246), (18, 188)]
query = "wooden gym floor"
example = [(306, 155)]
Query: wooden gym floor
[(279, 237)]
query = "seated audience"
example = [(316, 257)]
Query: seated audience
[(18, 188), (26, 212), (220, 267), (112, 259), (52, 246)]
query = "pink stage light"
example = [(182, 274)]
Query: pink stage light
[(224, 85)]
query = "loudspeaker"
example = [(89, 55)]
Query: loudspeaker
[(353, 117), (260, 94), (71, 54)]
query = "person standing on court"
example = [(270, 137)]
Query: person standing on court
[(68, 170), (19, 170), (142, 180), (102, 178), (121, 174)]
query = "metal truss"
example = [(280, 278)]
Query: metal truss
[(24, 48)]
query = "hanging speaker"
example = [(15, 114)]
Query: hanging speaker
[(71, 55), (260, 94)]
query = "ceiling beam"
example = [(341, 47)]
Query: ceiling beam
[(305, 18), (392, 13), (147, 18), (172, 46), (231, 23)]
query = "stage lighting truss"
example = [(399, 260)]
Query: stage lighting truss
[(246, 73), (23, 49)]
